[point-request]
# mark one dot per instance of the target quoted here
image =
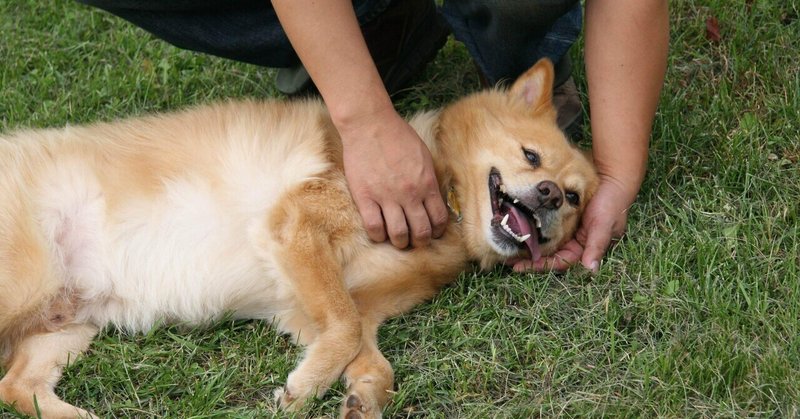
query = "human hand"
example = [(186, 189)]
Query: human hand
[(388, 168), (390, 174), (603, 222)]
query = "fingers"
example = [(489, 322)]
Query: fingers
[(597, 242), (418, 224), (437, 214), (389, 168), (603, 223), (426, 219), (560, 261), (597, 237), (415, 224), (546, 264), (396, 227), (373, 220)]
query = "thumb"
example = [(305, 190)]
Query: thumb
[(597, 240), (605, 219)]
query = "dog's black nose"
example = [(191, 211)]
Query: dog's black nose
[(550, 195)]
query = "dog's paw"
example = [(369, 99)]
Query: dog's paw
[(357, 407), (353, 408), (86, 415), (292, 399), (286, 399)]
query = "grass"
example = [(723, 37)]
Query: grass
[(696, 313)]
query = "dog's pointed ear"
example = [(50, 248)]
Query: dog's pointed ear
[(535, 86)]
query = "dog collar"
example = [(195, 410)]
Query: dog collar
[(452, 204)]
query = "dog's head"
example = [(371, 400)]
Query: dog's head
[(520, 184)]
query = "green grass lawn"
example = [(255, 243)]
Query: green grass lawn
[(696, 313)]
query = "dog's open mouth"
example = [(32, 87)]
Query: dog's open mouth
[(515, 220)]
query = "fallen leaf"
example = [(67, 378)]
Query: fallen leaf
[(712, 29)]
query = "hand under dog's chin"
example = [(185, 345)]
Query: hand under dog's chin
[(504, 251)]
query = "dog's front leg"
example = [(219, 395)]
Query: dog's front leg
[(324, 301), (369, 378), (306, 233)]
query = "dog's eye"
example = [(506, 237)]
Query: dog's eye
[(532, 157), (573, 198)]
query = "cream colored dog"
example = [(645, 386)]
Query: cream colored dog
[(243, 208)]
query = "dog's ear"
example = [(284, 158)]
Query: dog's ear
[(535, 86)]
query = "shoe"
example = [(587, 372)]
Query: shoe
[(402, 41), (568, 106), (293, 81)]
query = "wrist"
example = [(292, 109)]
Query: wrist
[(624, 190), (355, 111), (363, 122), (624, 168)]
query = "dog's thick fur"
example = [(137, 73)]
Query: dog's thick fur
[(242, 208)]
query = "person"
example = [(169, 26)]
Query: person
[(357, 53)]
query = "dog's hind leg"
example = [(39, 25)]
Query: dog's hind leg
[(34, 367)]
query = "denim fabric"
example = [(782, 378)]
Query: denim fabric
[(505, 37), (241, 30)]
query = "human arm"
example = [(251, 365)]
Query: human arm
[(626, 50), (388, 168)]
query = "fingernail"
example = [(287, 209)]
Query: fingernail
[(594, 266)]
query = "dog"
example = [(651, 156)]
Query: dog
[(242, 209)]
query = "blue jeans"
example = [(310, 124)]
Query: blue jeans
[(504, 37)]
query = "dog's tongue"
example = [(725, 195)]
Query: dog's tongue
[(520, 225)]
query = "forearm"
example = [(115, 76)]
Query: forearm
[(388, 168), (329, 42), (626, 50)]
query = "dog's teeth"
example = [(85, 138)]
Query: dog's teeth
[(515, 235), (516, 201), (502, 188), (504, 221)]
